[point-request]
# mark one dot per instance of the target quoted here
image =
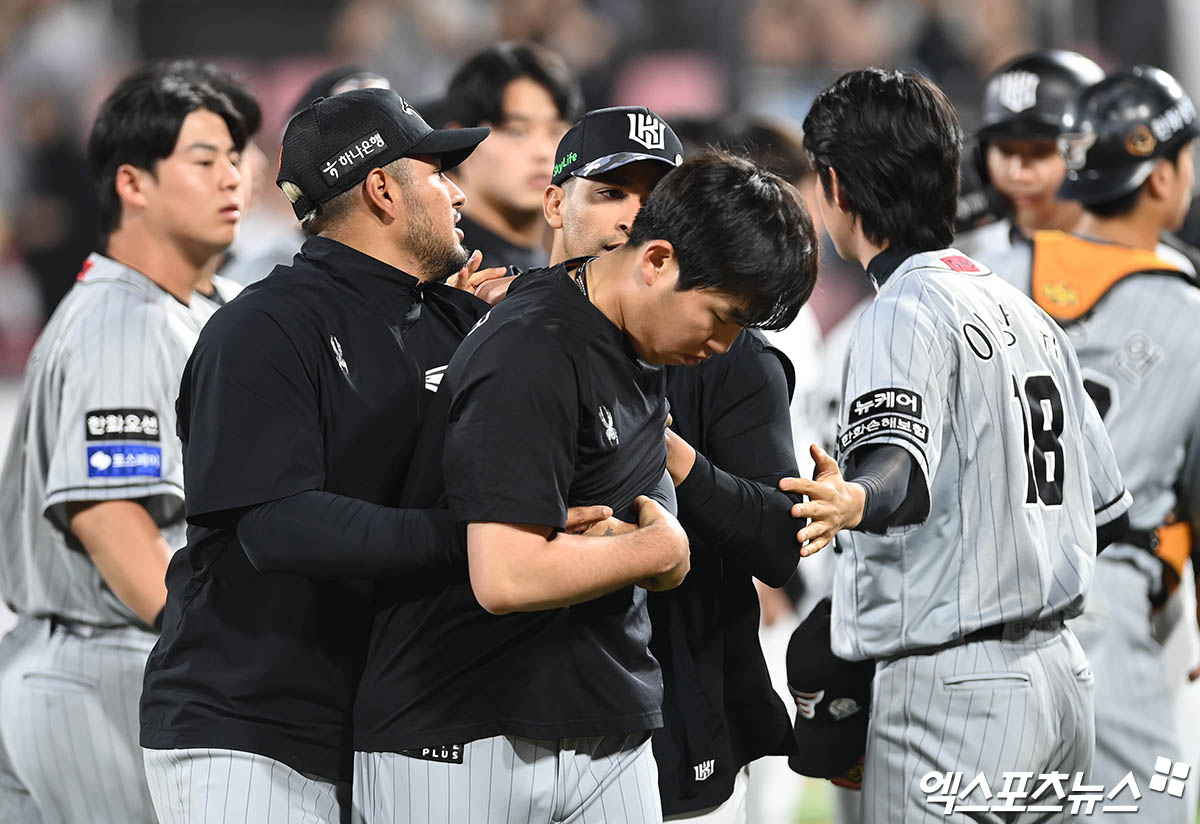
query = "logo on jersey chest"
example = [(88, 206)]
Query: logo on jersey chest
[(1139, 354), (610, 429), (705, 769), (433, 377), (445, 754), (336, 346)]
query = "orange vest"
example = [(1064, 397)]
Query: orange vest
[(1071, 274)]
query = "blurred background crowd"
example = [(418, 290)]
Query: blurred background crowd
[(683, 58)]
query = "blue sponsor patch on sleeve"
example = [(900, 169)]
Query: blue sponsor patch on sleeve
[(123, 460)]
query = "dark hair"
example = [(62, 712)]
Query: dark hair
[(1126, 203), (139, 124), (896, 143), (737, 228), (226, 83), (476, 91)]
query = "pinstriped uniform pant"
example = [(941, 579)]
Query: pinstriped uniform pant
[(16, 804), (508, 780), (212, 786), (69, 722), (987, 707), (1135, 720)]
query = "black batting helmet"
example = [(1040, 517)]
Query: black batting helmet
[(1127, 122), (1034, 95)]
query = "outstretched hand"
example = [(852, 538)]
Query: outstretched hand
[(833, 503)]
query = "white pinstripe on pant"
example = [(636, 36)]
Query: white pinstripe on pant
[(987, 707), (69, 721), (508, 780), (214, 786)]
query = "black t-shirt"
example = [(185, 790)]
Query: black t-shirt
[(315, 378), (497, 251), (549, 408), (720, 710)]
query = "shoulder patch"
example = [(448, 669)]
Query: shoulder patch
[(960, 263), (124, 460), (121, 425), (889, 400)]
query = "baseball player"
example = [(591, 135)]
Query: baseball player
[(1132, 317), (1028, 103), (735, 410), (978, 471), (327, 366), (529, 97), (554, 401), (92, 490)]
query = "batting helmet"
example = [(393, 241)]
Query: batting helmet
[(1127, 122), (1034, 96)]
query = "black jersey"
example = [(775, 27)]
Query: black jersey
[(315, 378), (549, 408)]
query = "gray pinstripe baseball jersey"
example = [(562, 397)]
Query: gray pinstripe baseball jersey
[(96, 422), (1136, 348), (983, 389)]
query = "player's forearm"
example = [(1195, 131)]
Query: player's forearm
[(516, 569), (129, 551), (325, 535), (894, 495), (747, 523)]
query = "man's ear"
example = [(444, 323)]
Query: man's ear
[(835, 189), (130, 184), (552, 201), (657, 259), (1160, 180), (382, 194)]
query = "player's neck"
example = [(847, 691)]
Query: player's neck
[(558, 252), (375, 241), (526, 229), (172, 267), (1140, 231), (606, 279), (865, 250)]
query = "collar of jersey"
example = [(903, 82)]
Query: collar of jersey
[(379, 283), (100, 268), (884, 265)]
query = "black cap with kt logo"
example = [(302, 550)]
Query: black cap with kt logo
[(331, 146), (606, 139)]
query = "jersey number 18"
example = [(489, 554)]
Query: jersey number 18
[(1042, 414)]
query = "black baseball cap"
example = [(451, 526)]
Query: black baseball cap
[(606, 139), (331, 146), (833, 700)]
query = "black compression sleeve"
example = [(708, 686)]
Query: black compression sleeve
[(324, 535), (1111, 532), (735, 514), (895, 493)]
